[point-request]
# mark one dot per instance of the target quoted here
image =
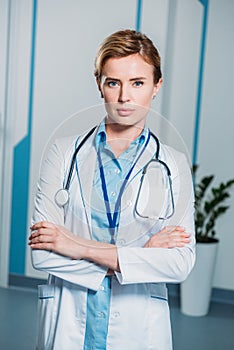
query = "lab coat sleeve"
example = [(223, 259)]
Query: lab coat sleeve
[(81, 272), (155, 265)]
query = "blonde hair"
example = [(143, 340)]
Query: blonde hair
[(124, 43)]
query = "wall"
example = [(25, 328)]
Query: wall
[(14, 76), (53, 46), (4, 39), (216, 141)]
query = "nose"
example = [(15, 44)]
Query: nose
[(124, 94)]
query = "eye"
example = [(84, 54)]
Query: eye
[(112, 83), (138, 83)]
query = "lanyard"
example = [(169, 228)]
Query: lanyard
[(112, 219)]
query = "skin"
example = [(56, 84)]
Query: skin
[(127, 87)]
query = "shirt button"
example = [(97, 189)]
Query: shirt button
[(113, 193), (129, 203), (101, 314), (116, 314), (117, 171), (101, 288)]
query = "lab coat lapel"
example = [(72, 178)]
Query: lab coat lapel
[(86, 161)]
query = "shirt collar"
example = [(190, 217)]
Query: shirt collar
[(101, 135), (142, 137)]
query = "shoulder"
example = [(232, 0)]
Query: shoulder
[(59, 149), (175, 159), (67, 145)]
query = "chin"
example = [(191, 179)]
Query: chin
[(132, 120)]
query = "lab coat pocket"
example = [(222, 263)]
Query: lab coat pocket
[(158, 291), (48, 299), (159, 323)]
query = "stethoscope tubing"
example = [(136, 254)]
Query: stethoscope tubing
[(67, 186), (62, 195)]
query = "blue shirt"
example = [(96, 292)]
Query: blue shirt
[(115, 170)]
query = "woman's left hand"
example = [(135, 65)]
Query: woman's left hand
[(48, 236), (169, 237)]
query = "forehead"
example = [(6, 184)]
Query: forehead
[(129, 66)]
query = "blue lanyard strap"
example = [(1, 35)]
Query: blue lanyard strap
[(113, 219)]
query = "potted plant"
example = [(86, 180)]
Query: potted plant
[(210, 204)]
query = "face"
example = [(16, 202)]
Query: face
[(127, 86)]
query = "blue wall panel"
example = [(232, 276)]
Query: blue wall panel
[(205, 3), (21, 171)]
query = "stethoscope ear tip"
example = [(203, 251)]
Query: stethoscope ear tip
[(61, 197)]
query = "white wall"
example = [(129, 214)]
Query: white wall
[(15, 20), (182, 70), (68, 34), (216, 142), (4, 38)]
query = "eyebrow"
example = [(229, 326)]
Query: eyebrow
[(132, 79)]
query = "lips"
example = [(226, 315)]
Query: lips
[(124, 112)]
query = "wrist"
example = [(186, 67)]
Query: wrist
[(102, 253), (81, 249)]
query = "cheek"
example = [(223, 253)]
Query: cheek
[(110, 95), (145, 99)]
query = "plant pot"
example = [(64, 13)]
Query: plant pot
[(195, 291)]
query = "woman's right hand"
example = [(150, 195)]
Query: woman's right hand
[(169, 237)]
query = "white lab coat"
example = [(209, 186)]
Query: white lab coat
[(139, 313)]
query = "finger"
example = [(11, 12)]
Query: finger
[(179, 235), (41, 239), (175, 245), (42, 224), (184, 237), (42, 246), (187, 235), (179, 238), (35, 234), (40, 232), (181, 242), (169, 229)]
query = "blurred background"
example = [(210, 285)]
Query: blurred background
[(47, 50)]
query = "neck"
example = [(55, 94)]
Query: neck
[(120, 131)]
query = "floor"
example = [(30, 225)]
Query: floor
[(215, 331), (212, 332)]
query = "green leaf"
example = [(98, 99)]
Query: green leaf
[(209, 205)]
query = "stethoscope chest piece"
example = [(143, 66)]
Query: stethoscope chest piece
[(61, 197)]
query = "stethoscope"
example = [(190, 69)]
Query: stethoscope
[(62, 195)]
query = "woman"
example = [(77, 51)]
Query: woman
[(108, 265)]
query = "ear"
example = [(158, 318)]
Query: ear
[(99, 86), (157, 87)]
